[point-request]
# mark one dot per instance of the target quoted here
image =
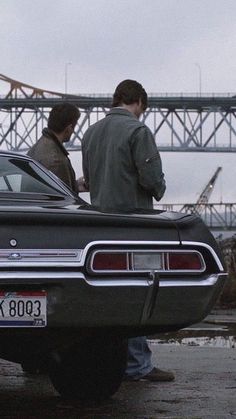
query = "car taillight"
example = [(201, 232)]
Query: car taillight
[(142, 261), (184, 261), (110, 262)]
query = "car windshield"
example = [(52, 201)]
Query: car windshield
[(18, 175)]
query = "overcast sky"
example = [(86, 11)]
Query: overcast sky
[(157, 42), (167, 45)]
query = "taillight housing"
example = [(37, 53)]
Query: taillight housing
[(112, 261)]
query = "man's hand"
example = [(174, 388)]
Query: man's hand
[(81, 185)]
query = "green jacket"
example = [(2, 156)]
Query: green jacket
[(122, 166), (52, 154)]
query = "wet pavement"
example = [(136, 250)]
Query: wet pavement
[(217, 330), (203, 358)]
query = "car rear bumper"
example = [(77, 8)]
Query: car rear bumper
[(74, 301)]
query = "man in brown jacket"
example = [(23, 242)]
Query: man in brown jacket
[(49, 149)]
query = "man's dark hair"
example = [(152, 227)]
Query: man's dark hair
[(129, 92), (63, 115)]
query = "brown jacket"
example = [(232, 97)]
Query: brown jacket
[(52, 154)]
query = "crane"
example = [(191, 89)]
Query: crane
[(205, 194)]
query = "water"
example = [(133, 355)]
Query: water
[(202, 334)]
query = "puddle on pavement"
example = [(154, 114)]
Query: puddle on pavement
[(204, 334)]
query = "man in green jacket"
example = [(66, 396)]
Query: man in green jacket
[(49, 149), (123, 172), (121, 163)]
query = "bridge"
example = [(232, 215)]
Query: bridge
[(179, 122), (184, 123)]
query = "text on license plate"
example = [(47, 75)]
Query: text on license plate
[(23, 309)]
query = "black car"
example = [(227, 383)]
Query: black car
[(76, 283)]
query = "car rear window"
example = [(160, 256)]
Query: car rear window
[(19, 175)]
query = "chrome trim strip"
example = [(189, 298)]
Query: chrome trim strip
[(207, 282), (65, 275), (40, 257), (150, 243), (119, 283), (5, 275)]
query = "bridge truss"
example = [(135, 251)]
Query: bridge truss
[(204, 123)]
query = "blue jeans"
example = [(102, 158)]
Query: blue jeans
[(139, 358)]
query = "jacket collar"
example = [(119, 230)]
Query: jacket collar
[(121, 111), (50, 134)]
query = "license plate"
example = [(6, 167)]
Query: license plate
[(23, 309)]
